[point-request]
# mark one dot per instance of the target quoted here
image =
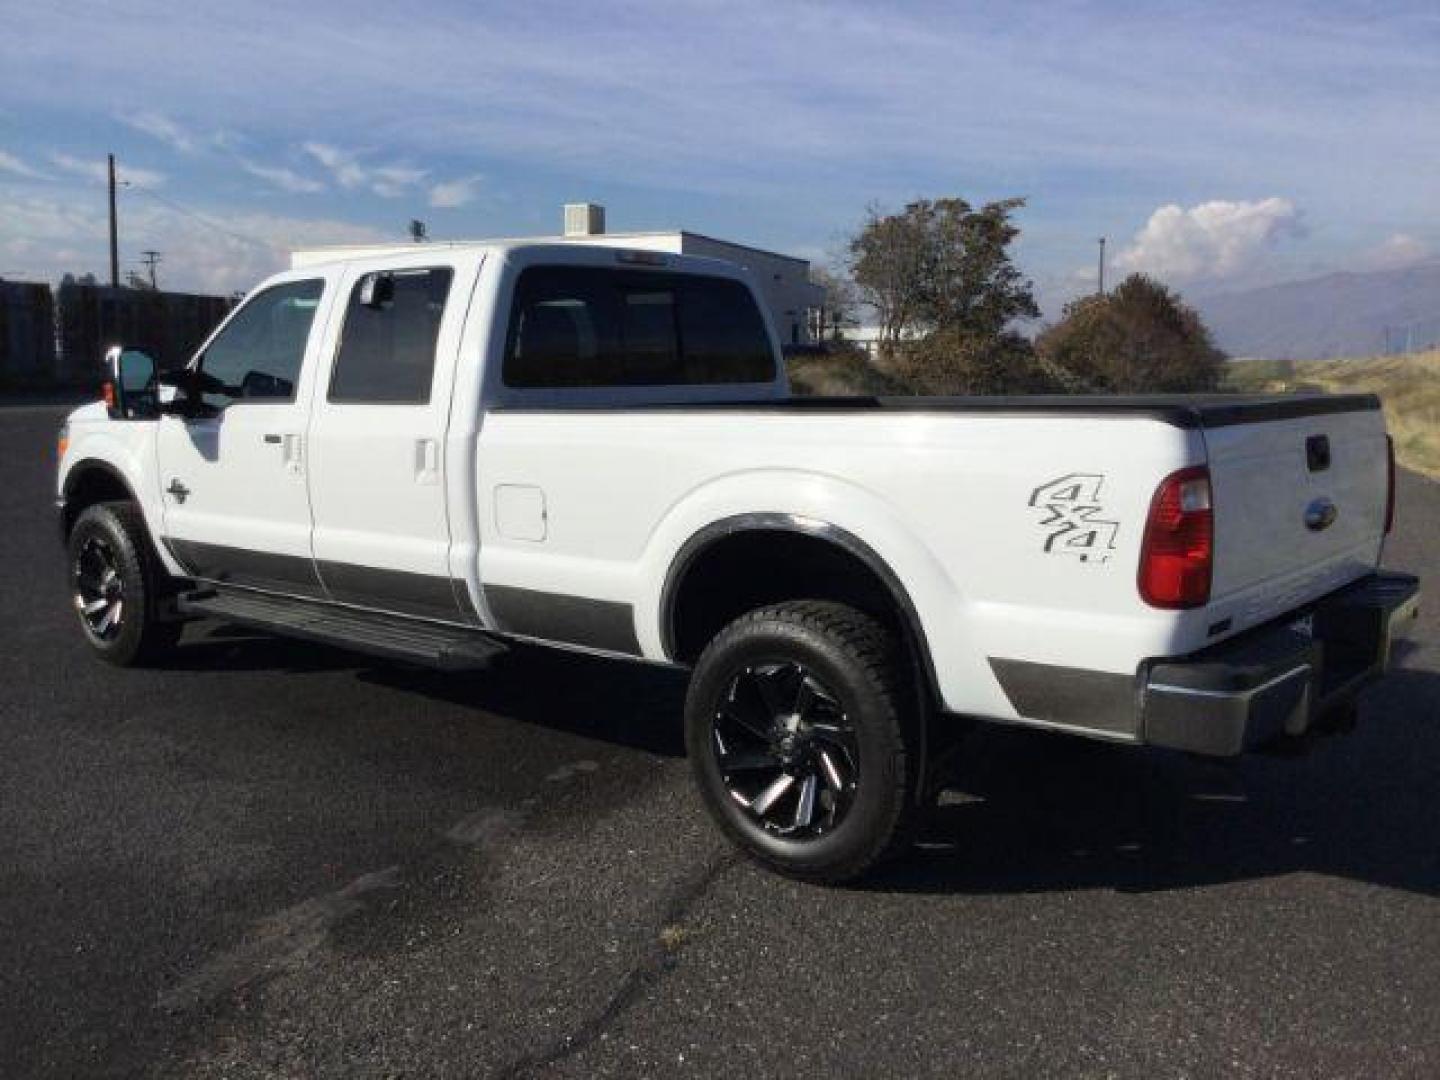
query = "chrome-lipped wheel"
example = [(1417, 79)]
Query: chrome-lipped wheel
[(99, 589), (786, 750)]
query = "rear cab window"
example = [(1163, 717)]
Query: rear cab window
[(595, 327)]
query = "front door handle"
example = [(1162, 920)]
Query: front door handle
[(293, 455), (178, 491), (275, 439)]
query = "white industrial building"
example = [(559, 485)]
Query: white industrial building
[(784, 280)]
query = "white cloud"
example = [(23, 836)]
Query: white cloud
[(12, 164), (387, 181), (49, 236), (347, 171), (98, 171), (452, 193), (161, 127), (282, 178), (393, 180), (1397, 251), (1214, 239)]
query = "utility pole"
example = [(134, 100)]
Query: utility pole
[(114, 232), (1102, 266), (152, 259)]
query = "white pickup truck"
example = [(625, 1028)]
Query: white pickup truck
[(429, 452)]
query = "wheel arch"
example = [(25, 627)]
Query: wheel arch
[(805, 558), (88, 482)]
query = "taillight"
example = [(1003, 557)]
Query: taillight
[(1179, 545), (107, 395), (1389, 484)]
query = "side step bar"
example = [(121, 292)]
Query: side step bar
[(450, 648)]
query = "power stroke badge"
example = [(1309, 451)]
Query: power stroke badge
[(1074, 517)]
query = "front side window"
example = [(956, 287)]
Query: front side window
[(387, 346), (259, 352), (592, 327)]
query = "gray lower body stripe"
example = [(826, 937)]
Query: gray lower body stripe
[(425, 595), (390, 590), (290, 574), (1078, 698), (571, 620)]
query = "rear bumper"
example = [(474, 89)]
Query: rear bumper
[(1279, 679)]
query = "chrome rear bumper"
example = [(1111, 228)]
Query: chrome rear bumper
[(1279, 679)]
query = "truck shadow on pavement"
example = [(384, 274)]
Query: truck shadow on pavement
[(1024, 811), (1027, 812), (630, 705)]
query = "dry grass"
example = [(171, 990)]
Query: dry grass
[(1408, 385), (844, 374)]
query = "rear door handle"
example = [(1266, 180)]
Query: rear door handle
[(427, 461), (275, 439)]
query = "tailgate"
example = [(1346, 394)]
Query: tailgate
[(1299, 501)]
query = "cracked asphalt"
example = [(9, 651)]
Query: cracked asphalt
[(277, 859)]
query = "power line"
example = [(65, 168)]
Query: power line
[(178, 208)]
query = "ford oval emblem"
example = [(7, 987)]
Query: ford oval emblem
[(1321, 514)]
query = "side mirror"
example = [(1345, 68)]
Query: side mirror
[(130, 390), (377, 290)]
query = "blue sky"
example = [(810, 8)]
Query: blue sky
[(1217, 145)]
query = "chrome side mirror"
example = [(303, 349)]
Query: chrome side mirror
[(377, 290), (130, 388)]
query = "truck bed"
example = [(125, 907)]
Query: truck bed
[(1179, 410)]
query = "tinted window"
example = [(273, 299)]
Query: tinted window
[(387, 346), (589, 326), (259, 352)]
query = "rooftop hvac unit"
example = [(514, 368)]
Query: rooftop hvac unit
[(584, 219)]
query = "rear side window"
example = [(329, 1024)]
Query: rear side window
[(591, 326), (387, 346)]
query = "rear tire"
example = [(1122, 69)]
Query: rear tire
[(803, 741), (118, 586)]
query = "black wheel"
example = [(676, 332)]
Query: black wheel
[(799, 735), (117, 586)]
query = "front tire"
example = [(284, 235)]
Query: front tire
[(117, 586), (802, 741)]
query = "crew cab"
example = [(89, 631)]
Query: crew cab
[(434, 451)]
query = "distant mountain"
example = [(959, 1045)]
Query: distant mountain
[(1344, 314)]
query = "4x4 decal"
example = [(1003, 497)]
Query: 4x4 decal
[(1073, 523)]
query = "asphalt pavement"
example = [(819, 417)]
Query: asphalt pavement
[(278, 859)]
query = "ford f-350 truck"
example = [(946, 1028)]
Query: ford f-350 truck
[(429, 452)]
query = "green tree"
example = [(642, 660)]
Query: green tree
[(941, 265), (1140, 338)]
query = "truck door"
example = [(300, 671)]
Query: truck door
[(236, 508), (377, 438)]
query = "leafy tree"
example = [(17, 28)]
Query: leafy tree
[(952, 360), (941, 265), (1141, 338)]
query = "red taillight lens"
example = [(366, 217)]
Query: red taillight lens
[(1179, 546), (1389, 484)]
